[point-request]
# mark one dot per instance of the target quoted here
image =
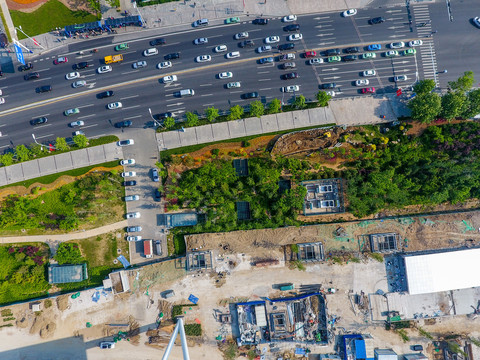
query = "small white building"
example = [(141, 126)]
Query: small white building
[(418, 356), (385, 354)]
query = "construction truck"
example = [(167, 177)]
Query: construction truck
[(110, 59), (148, 248)]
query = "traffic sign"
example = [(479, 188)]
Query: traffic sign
[(399, 92), (18, 51)]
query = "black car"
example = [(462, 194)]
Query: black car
[(250, 95), (376, 20), (260, 22), (129, 183), (160, 41), (289, 76), (246, 43), (164, 115), (33, 75), (172, 56), (158, 195), (80, 65), (284, 47), (38, 121), (25, 67), (122, 124), (44, 88), (328, 86), (417, 347), (105, 94), (331, 52), (351, 50), (350, 58), (291, 27)]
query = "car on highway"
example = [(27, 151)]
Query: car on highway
[(77, 123), (285, 47), (476, 21), (233, 85), (289, 18), (369, 73), (351, 50), (232, 20), (123, 124), (150, 52), (374, 47), (80, 65), (203, 58), (32, 76), (260, 21), (310, 54), (376, 20), (291, 27), (162, 116), (286, 57), (334, 59), (220, 48), (159, 41), (155, 176), (415, 43), (289, 76), (127, 162), (409, 52), (134, 238), (264, 48), (139, 64), (350, 58), (240, 36), (369, 90), (232, 55), (272, 39), (200, 41), (164, 65), (328, 86), (369, 55), (391, 53), (125, 142), (157, 195), (104, 69), (105, 94), (200, 22), (225, 75), (332, 52), (134, 228), (132, 198), (349, 12), (78, 132), (266, 60), (132, 215), (72, 75), (60, 60), (44, 88), (39, 121), (362, 82), (169, 79), (107, 345), (129, 183), (121, 47), (290, 88), (128, 174), (114, 105), (400, 78), (250, 95), (172, 56), (295, 37), (288, 65), (79, 83), (70, 112), (246, 43), (25, 67), (397, 45)]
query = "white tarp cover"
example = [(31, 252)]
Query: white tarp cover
[(444, 271)]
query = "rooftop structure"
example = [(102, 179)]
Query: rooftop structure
[(310, 252), (357, 347), (60, 274), (180, 219), (419, 356), (243, 210), (199, 260), (385, 354), (384, 242), (241, 166), (118, 282), (324, 196)]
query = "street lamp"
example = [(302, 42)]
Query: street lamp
[(154, 120), (41, 145)]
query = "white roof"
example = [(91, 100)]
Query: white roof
[(443, 271)]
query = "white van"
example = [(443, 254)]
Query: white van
[(150, 52), (186, 92), (201, 22)]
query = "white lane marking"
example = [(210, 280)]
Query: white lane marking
[(86, 116), (84, 106), (264, 79), (131, 107), (132, 117), (264, 89), (88, 126), (44, 136), (207, 95), (206, 84)]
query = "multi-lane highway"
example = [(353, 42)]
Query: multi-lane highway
[(141, 89)]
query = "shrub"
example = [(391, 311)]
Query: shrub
[(193, 329), (377, 256), (294, 248), (69, 253), (403, 334), (215, 152), (47, 303)]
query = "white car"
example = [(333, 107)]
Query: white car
[(397, 45), (315, 61), (78, 132), (233, 54), (290, 88), (200, 41), (391, 53), (203, 58), (132, 198), (225, 75), (349, 12), (114, 105), (272, 39), (150, 52), (362, 82), (169, 79), (134, 238), (128, 174), (295, 37), (220, 48), (415, 43), (290, 18), (107, 345), (476, 21), (72, 75), (125, 142), (233, 85), (264, 48), (400, 78), (79, 83), (104, 69), (139, 64), (77, 123), (331, 93), (132, 215), (164, 65), (369, 73), (2, 100), (242, 35), (127, 162)]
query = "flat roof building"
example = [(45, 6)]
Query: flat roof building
[(60, 274)]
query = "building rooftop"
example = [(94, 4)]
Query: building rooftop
[(60, 274)]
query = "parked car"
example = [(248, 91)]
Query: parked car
[(134, 238), (134, 228), (373, 47), (157, 195), (107, 345), (289, 18), (349, 12), (25, 67), (132, 198), (310, 54), (128, 174), (125, 142), (155, 176), (125, 162), (315, 61), (232, 20), (132, 215), (129, 183), (200, 22)]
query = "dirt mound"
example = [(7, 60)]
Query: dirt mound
[(22, 321), (62, 302), (48, 330), (307, 140)]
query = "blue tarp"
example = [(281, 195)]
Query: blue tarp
[(192, 298), (124, 261), (360, 350), (300, 351)]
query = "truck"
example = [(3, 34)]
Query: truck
[(148, 248), (110, 59), (286, 287)]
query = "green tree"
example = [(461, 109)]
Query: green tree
[(257, 108), (80, 140), (299, 102), (275, 106), (212, 114), (463, 83), (68, 253), (6, 159), (236, 112), (426, 107), (169, 122), (69, 223), (323, 98), (61, 144), (192, 119), (95, 6), (23, 153), (424, 86), (36, 149), (472, 105), (453, 104)]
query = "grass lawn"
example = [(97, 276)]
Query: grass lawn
[(50, 15)]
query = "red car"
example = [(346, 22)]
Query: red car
[(370, 90), (310, 54), (60, 60)]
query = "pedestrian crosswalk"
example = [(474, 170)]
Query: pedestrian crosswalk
[(423, 25)]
